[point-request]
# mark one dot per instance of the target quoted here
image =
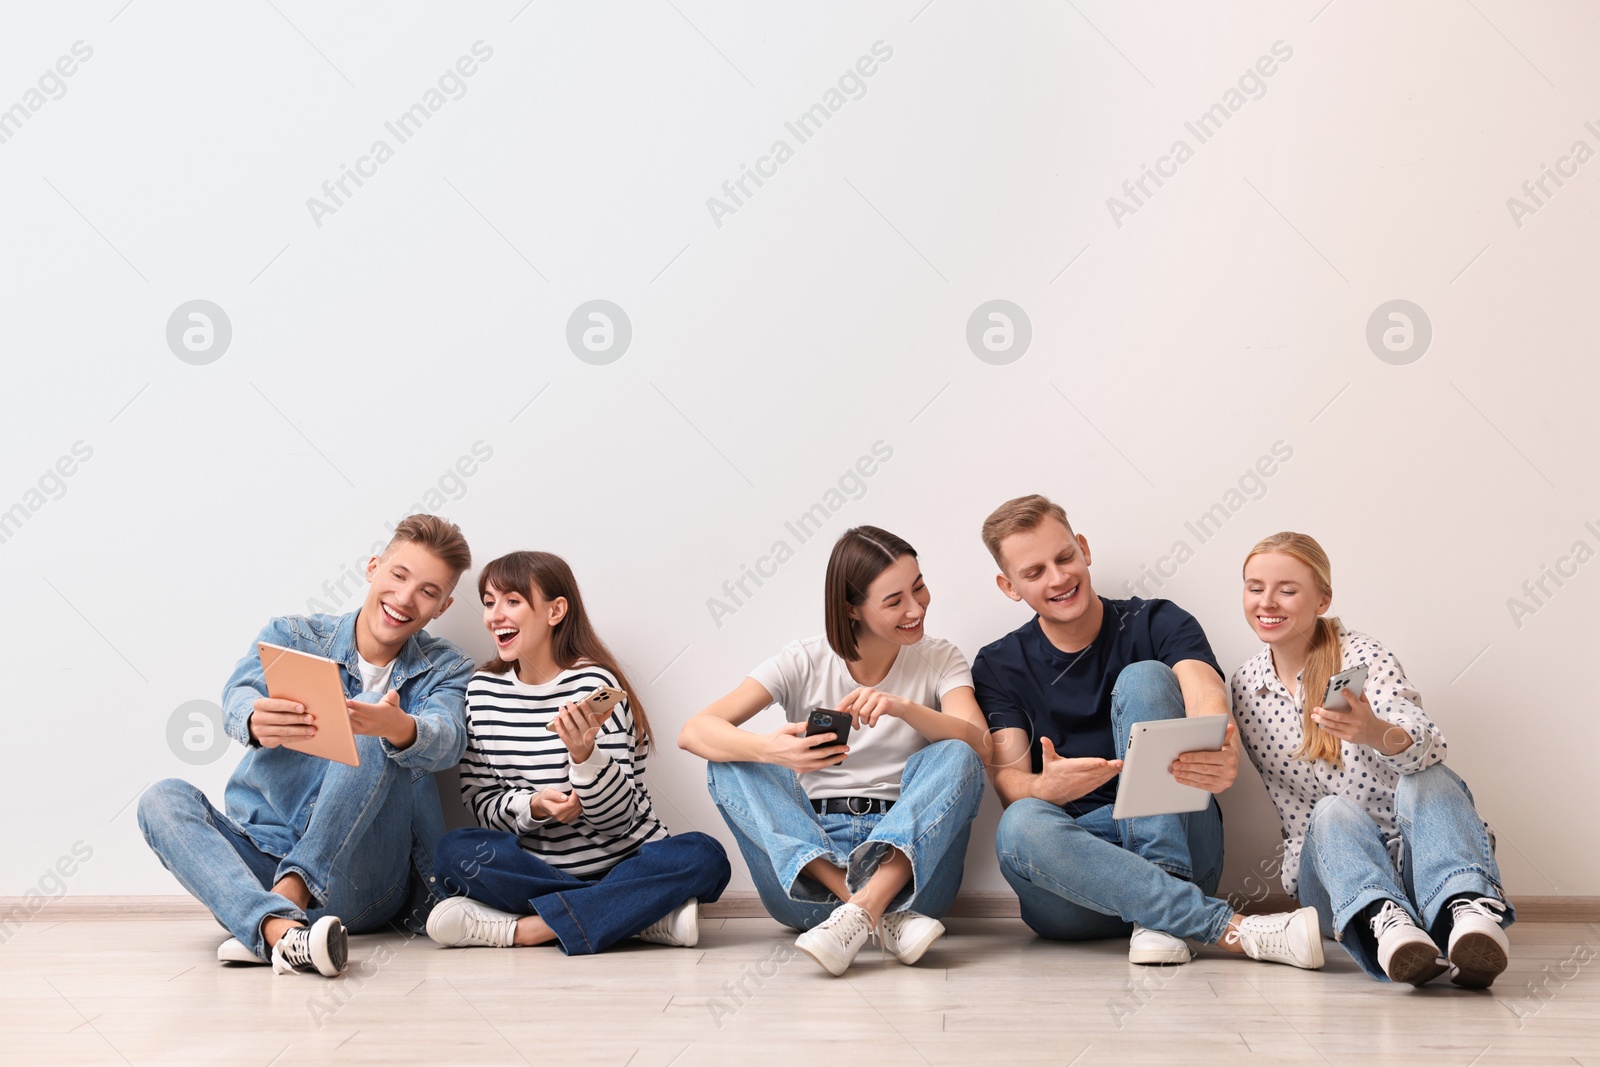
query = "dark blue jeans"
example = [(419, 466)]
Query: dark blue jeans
[(493, 868)]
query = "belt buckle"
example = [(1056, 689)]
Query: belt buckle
[(850, 802)]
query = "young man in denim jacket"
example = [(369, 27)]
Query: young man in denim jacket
[(309, 848)]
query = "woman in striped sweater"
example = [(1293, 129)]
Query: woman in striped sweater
[(568, 848)]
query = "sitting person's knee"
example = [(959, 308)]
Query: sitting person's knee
[(163, 801), (1437, 781), (1337, 811), (1150, 685), (954, 757), (462, 853), (1019, 824)]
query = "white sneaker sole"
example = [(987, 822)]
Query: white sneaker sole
[(234, 951), (1315, 960), (330, 949), (1415, 963), (1159, 955), (1476, 960), (834, 965)]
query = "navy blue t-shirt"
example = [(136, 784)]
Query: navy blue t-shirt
[(1024, 681)]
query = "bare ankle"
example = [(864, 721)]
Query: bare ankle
[(273, 929), (293, 889), (1230, 937), (531, 930)]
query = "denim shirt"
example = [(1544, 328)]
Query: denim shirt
[(272, 791)]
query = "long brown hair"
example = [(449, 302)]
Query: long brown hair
[(859, 556), (1324, 658), (573, 642)]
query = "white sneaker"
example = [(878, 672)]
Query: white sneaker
[(908, 934), (835, 942), (461, 922), (1155, 946), (234, 951), (680, 926), (1405, 952), (1291, 937), (324, 948), (1479, 948)]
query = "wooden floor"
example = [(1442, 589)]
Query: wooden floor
[(136, 991)]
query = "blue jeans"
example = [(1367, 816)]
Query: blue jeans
[(1089, 876), (1445, 852), (354, 854), (587, 916), (779, 832)]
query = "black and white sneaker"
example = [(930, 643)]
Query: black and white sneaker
[(323, 949), (1405, 951), (1479, 949)]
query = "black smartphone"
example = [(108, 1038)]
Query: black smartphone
[(828, 721)]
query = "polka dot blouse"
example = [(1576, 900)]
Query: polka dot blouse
[(1269, 721)]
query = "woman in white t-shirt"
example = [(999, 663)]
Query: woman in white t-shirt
[(847, 836), (1379, 835)]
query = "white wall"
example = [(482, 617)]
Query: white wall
[(1171, 347)]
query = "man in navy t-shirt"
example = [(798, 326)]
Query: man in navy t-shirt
[(1061, 694)]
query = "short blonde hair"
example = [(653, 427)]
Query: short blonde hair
[(1018, 516)]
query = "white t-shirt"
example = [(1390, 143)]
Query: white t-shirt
[(808, 674), (375, 679)]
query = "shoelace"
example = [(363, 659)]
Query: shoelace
[(1262, 936), (1488, 907), (849, 924), (1389, 916), (493, 931), (296, 947)]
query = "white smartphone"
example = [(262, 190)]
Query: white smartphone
[(1350, 678)]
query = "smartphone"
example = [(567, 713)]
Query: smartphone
[(828, 721), (600, 703), (603, 701), (1350, 678)]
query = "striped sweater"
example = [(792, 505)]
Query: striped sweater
[(512, 754)]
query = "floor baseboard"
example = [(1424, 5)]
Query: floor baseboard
[(978, 904)]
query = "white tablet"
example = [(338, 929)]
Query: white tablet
[(1146, 785)]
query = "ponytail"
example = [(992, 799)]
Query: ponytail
[(1322, 663)]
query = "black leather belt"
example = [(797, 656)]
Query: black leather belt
[(852, 806)]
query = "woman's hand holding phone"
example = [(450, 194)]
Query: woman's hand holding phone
[(1360, 725), (577, 727), (788, 747)]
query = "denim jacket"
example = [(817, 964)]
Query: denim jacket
[(272, 791)]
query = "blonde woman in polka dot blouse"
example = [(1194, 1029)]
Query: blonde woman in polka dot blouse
[(1379, 835)]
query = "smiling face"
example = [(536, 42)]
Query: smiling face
[(407, 588), (1282, 599), (1047, 568), (520, 625), (896, 605)]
